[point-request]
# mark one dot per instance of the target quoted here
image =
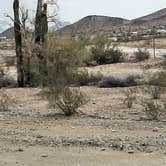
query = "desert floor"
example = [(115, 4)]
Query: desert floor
[(106, 134)]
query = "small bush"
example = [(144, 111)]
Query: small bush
[(141, 55), (86, 78), (151, 109), (105, 52), (5, 101), (153, 91), (69, 101), (130, 80), (130, 97), (6, 81), (108, 56), (157, 79)]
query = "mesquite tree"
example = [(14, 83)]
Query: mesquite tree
[(18, 41)]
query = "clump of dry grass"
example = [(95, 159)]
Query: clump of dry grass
[(5, 101), (130, 97), (153, 91), (152, 108), (6, 81)]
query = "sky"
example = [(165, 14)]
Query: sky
[(73, 10)]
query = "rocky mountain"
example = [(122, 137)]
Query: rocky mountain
[(9, 33), (103, 25), (92, 25), (95, 25)]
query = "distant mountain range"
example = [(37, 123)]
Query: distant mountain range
[(103, 25), (95, 25), (1, 30)]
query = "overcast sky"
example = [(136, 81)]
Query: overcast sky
[(73, 10)]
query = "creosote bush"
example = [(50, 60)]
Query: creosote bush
[(141, 55), (105, 52)]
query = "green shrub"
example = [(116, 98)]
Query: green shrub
[(105, 52), (141, 55)]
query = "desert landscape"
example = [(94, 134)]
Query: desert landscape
[(105, 133), (90, 93)]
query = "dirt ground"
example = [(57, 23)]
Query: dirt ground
[(107, 134)]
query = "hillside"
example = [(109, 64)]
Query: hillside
[(1, 30), (92, 25), (104, 25), (9, 33), (95, 25)]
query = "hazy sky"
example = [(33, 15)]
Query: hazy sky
[(73, 10)]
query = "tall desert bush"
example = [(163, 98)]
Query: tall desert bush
[(62, 59)]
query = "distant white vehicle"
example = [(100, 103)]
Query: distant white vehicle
[(114, 39), (161, 31), (3, 38), (133, 33)]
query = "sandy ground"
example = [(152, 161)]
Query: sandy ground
[(47, 156), (107, 134)]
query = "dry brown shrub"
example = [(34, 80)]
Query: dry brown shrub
[(6, 101), (151, 108), (130, 97)]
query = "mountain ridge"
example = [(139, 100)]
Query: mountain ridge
[(98, 25), (109, 25)]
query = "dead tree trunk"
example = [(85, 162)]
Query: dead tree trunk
[(44, 28), (18, 41), (41, 29), (38, 22)]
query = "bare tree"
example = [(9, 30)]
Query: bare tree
[(18, 41)]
